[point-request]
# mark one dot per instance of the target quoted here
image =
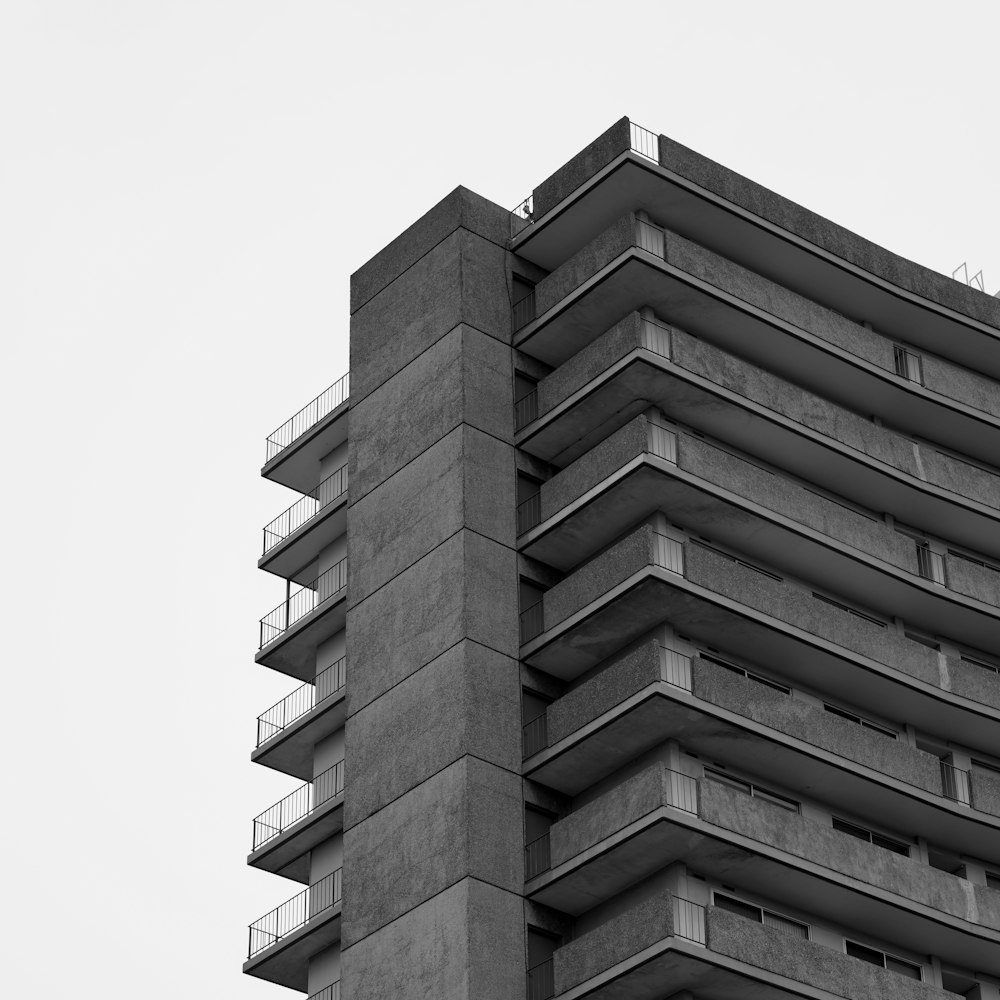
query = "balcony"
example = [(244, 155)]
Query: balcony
[(643, 467), (289, 730), (283, 941), (284, 834), (331, 992), (630, 707), (659, 816), (294, 450), (637, 364), (291, 632), (294, 537), (752, 226), (714, 953)]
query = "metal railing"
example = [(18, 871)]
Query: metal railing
[(299, 604), (956, 784), (525, 209), (310, 415), (294, 807), (541, 981), (531, 622), (331, 992), (675, 668), (526, 409), (656, 338), (529, 513), (523, 311), (644, 142), (662, 443), (907, 364), (301, 701), (931, 564), (536, 856), (668, 553), (295, 913), (689, 920), (650, 238), (305, 509), (535, 736), (682, 791)]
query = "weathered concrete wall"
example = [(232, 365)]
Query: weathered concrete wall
[(620, 679), (986, 791), (770, 824), (960, 477), (813, 725), (799, 608), (585, 263), (808, 962), (810, 226), (612, 942), (596, 357), (974, 581), (598, 576), (972, 682), (959, 383), (582, 167)]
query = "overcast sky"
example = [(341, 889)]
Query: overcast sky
[(185, 189)]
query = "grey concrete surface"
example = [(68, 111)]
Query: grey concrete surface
[(582, 167), (972, 682), (464, 821), (808, 962), (975, 581), (960, 383), (612, 942), (960, 477), (463, 702)]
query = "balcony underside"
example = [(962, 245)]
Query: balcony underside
[(631, 183), (294, 557), (294, 651), (666, 836), (587, 525), (624, 614), (287, 962), (288, 853), (291, 750), (661, 712), (298, 465), (640, 380)]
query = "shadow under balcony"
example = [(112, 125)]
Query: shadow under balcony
[(291, 632), (289, 730), (716, 955), (283, 941), (652, 695), (644, 467), (284, 834), (640, 363), (294, 450), (659, 817), (295, 537)]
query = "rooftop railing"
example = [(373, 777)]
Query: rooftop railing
[(303, 601), (296, 913), (304, 510), (302, 701), (295, 807), (331, 992), (310, 415)]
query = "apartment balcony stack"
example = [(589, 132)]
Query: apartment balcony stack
[(640, 605)]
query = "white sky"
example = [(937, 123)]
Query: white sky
[(185, 189)]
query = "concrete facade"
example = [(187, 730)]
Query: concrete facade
[(655, 651)]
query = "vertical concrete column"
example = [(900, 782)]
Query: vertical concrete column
[(433, 839)]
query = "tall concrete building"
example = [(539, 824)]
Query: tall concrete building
[(644, 591)]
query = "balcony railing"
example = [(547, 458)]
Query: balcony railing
[(535, 735), (331, 992), (531, 622), (675, 668), (304, 510), (537, 856), (668, 553), (644, 142), (956, 784), (525, 409), (931, 564), (310, 415), (523, 311), (295, 913), (529, 513), (526, 209), (682, 791), (299, 604), (541, 981), (689, 920), (302, 701), (656, 338), (303, 801)]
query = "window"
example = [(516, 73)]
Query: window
[(849, 609), (924, 640), (739, 562), (881, 959), (725, 664), (871, 837), (754, 791), (908, 364), (947, 862), (757, 913), (858, 720), (977, 662), (993, 880)]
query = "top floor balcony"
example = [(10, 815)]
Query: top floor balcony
[(295, 448), (758, 229)]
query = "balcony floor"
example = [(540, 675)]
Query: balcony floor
[(287, 854), (294, 557), (294, 651), (291, 750), (298, 465)]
